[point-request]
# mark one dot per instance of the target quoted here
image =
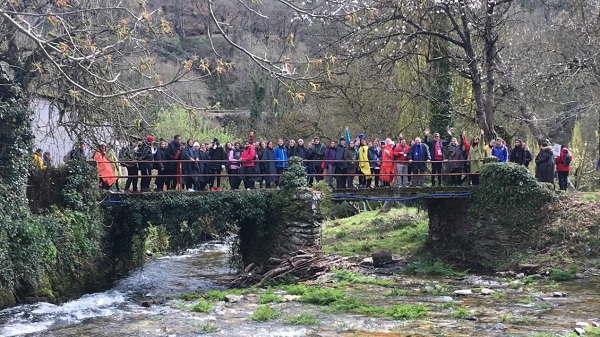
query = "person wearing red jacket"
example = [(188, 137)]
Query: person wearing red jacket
[(401, 155), (563, 166), (387, 171), (247, 159)]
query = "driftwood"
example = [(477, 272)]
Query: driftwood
[(302, 266)]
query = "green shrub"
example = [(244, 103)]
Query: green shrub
[(190, 296), (264, 313), (509, 186), (215, 295), (407, 312), (204, 328), (357, 306), (296, 289), (558, 275), (302, 319), (321, 296), (294, 177), (461, 313), (202, 306), (269, 298)]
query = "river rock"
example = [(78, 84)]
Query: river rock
[(486, 291), (559, 294), (520, 276), (579, 276), (463, 292), (290, 298), (579, 331), (582, 324), (595, 324), (233, 298), (367, 261), (529, 268), (381, 258)]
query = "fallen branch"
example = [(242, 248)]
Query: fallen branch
[(303, 266)]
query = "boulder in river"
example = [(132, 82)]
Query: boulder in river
[(234, 298), (486, 291), (463, 292), (381, 258)]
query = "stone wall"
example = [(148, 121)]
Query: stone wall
[(479, 241), (299, 228)]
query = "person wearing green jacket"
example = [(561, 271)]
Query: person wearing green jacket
[(476, 155)]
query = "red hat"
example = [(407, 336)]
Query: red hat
[(149, 139)]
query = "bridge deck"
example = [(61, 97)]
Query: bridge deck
[(401, 194), (357, 194)]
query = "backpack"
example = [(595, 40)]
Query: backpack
[(567, 159)]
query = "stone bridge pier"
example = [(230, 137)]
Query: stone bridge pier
[(298, 229), (474, 240)]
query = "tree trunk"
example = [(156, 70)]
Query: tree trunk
[(533, 124), (441, 91)]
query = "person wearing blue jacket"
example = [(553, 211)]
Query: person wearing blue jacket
[(281, 156), (499, 151)]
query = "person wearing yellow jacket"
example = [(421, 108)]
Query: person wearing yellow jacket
[(38, 160), (489, 147), (476, 155), (364, 180)]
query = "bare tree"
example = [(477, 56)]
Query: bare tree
[(91, 59)]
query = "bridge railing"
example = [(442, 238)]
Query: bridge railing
[(239, 164)]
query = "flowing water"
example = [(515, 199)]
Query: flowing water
[(519, 311)]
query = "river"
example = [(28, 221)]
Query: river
[(518, 309)]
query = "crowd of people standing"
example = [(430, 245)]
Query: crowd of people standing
[(348, 163)]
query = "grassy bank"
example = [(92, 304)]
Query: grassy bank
[(400, 231), (566, 236), (568, 233)]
